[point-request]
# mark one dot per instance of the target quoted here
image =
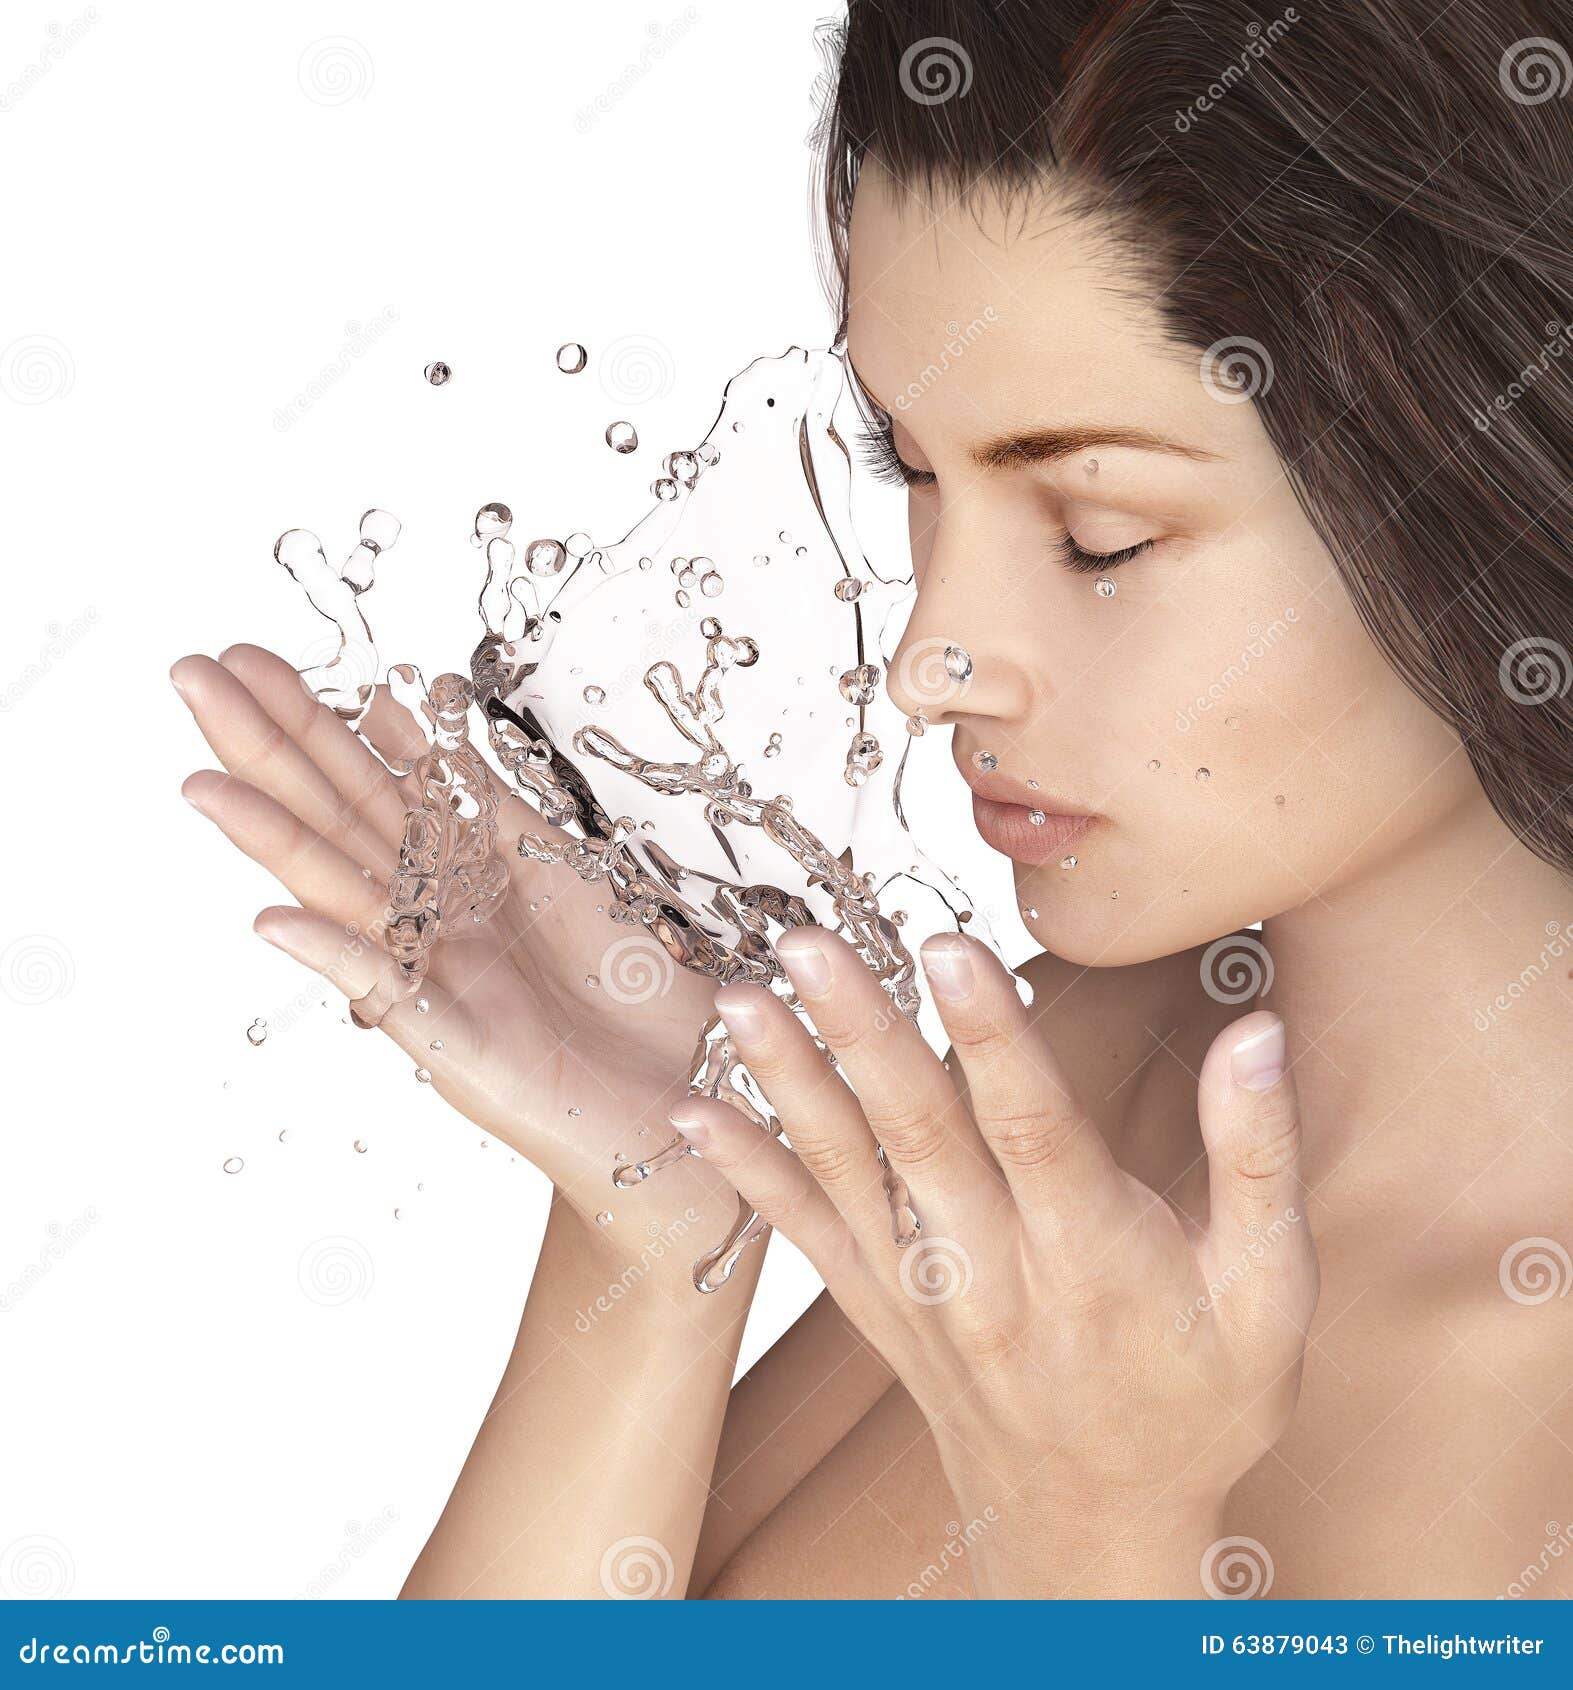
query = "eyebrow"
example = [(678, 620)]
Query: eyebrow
[(1046, 445)]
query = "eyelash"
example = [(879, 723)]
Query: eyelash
[(879, 454)]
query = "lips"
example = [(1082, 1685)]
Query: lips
[(1003, 808)]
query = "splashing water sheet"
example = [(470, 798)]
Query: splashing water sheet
[(700, 706)]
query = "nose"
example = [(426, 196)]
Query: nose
[(954, 659)]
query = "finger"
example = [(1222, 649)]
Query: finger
[(1250, 1121), (822, 1119), (769, 1176), (330, 743), (316, 872), (253, 747), (908, 1099), (1051, 1155)]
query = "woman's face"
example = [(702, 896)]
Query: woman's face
[(1213, 736)]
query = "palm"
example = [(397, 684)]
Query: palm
[(561, 1032)]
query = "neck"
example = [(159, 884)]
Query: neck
[(1429, 1008)]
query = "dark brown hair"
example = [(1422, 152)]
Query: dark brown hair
[(1367, 205)]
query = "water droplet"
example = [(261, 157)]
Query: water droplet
[(574, 1111), (1092, 466), (917, 725), (360, 1147), (438, 374), (572, 358), (436, 1044), (233, 1165), (708, 454), (1104, 587), (848, 589), (421, 1006), (1204, 774), (283, 1135), (1279, 799), (257, 1032), (1036, 817), (1114, 895), (858, 685), (664, 489), (1028, 913), (1067, 862), (985, 760), (595, 695), (423, 1076), (1033, 785), (622, 437), (1153, 765), (490, 521), (604, 1218), (578, 544), (592, 981), (711, 585), (958, 663), (395, 1214), (773, 749), (1231, 721)]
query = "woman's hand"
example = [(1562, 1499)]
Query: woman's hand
[(561, 1033), (1097, 1372)]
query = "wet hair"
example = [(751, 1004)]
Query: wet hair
[(1363, 208)]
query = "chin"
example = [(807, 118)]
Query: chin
[(1085, 923)]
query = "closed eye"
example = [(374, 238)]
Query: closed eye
[(1085, 562), (878, 451)]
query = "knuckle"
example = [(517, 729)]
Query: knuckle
[(1026, 1140), (1271, 1154), (829, 1163)]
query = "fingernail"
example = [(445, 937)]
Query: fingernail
[(696, 1131), (740, 1012), (805, 960), (949, 968), (1257, 1063)]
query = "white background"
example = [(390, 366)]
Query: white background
[(208, 208)]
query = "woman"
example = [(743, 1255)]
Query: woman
[(1245, 487)]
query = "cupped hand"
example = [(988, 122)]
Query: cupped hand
[(1097, 1371), (564, 1034)]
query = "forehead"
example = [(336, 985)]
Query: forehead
[(986, 313)]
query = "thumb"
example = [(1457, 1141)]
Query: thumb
[(1250, 1121)]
